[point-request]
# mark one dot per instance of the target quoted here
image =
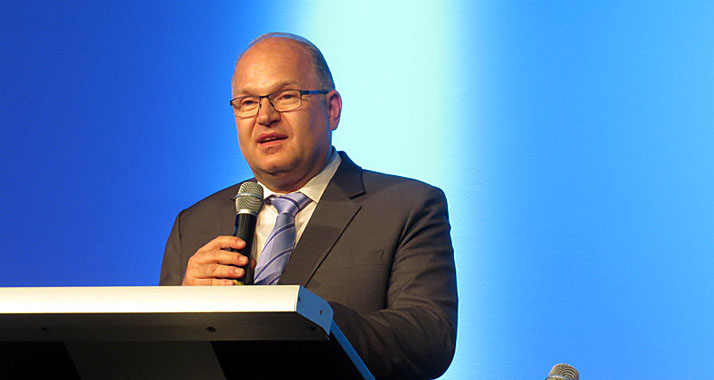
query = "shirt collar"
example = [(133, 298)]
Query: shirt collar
[(317, 184)]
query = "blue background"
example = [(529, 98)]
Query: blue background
[(573, 140)]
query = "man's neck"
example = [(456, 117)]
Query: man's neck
[(283, 183)]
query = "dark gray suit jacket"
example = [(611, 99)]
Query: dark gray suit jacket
[(378, 248)]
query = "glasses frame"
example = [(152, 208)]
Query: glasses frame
[(268, 96)]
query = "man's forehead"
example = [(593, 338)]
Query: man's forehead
[(272, 87)]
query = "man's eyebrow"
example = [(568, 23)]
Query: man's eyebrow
[(274, 87)]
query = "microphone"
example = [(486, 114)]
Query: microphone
[(249, 201), (563, 371)]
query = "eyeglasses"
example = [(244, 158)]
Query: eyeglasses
[(282, 101)]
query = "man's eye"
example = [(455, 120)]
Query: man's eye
[(284, 97), (248, 102)]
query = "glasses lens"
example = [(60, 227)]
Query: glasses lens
[(246, 106), (285, 100)]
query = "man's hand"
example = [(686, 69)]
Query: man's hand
[(213, 264)]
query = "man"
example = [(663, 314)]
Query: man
[(376, 247)]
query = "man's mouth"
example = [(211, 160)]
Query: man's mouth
[(263, 139)]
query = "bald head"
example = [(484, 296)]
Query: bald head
[(317, 61)]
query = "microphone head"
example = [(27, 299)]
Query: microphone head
[(563, 371), (249, 198)]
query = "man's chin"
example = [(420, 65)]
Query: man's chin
[(281, 178), (275, 168)]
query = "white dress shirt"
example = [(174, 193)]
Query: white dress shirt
[(313, 189)]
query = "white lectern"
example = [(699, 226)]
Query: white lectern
[(246, 332)]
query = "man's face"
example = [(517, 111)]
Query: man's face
[(284, 150)]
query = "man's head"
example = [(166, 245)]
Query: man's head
[(285, 149)]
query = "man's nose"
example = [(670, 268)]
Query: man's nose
[(266, 113)]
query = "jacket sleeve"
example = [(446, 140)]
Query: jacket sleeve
[(171, 269)]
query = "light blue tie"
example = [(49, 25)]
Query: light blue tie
[(281, 240)]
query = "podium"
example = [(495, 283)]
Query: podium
[(238, 332)]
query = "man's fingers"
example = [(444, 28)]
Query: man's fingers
[(220, 282), (210, 282), (220, 271), (214, 274), (220, 257), (223, 242)]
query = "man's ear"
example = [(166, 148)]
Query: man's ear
[(334, 108)]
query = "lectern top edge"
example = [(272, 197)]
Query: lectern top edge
[(166, 299)]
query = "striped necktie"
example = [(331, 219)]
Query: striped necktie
[(281, 240)]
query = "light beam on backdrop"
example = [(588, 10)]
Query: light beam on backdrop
[(398, 67)]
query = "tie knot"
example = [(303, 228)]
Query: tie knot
[(290, 203)]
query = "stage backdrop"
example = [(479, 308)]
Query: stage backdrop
[(575, 143)]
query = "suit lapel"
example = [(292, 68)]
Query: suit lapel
[(333, 214)]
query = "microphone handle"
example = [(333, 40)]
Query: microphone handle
[(245, 229)]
